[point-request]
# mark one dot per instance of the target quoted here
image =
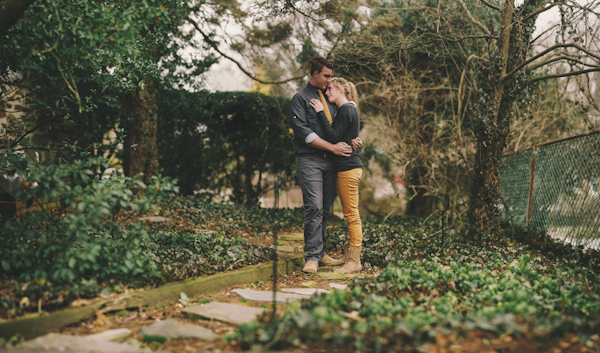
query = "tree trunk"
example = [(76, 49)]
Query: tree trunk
[(141, 132), (493, 128), (421, 204)]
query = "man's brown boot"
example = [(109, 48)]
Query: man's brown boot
[(353, 264), (311, 266), (330, 261)]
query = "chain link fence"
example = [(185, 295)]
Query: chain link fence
[(555, 188)]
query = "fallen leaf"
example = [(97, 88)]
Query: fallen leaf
[(352, 315)]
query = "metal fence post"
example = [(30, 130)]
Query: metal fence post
[(530, 201)]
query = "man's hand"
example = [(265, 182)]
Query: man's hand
[(342, 149), (357, 143)]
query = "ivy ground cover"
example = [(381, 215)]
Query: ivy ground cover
[(429, 297), (44, 266)]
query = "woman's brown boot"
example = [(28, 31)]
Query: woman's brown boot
[(353, 260)]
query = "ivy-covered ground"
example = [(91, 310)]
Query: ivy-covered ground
[(38, 272), (429, 298), (518, 293)]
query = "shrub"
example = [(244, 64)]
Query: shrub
[(76, 248)]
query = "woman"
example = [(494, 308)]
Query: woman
[(349, 169)]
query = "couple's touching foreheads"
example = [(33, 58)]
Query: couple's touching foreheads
[(325, 119)]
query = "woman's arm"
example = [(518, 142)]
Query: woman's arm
[(334, 134), (342, 122)]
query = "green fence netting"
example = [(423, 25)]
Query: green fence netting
[(515, 179), (564, 199)]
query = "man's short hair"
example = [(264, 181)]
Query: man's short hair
[(317, 63)]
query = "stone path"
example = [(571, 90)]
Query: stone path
[(119, 340)]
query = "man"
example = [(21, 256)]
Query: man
[(314, 164)]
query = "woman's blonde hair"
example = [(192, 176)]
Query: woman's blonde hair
[(347, 87)]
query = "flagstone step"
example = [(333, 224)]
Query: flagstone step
[(155, 219), (338, 286), (235, 314), (339, 276), (172, 328), (304, 291), (292, 236), (54, 342), (116, 335), (285, 248), (267, 297)]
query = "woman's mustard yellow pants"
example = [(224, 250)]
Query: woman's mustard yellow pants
[(347, 183)]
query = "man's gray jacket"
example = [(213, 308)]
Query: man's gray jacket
[(304, 120)]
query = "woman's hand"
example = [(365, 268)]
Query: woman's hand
[(317, 105), (357, 143)]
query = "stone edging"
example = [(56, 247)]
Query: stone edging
[(41, 325)]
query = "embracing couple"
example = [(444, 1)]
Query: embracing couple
[(324, 116)]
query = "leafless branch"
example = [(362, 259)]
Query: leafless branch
[(491, 6), (573, 73), (544, 32), (541, 54), (33, 129), (304, 14), (479, 24), (543, 9), (215, 46), (560, 58), (401, 8)]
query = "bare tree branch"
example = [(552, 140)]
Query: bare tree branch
[(11, 11), (491, 6), (565, 57), (543, 9), (541, 54), (573, 73), (215, 46), (544, 32), (34, 128), (479, 24), (401, 8), (304, 14)]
